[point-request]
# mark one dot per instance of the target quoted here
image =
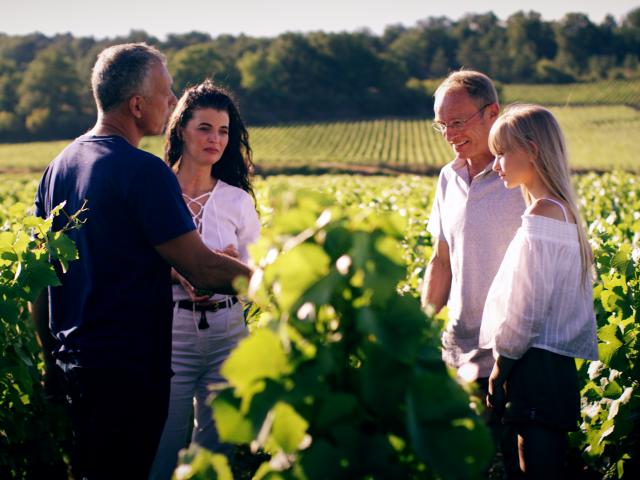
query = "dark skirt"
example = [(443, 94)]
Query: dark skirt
[(542, 389)]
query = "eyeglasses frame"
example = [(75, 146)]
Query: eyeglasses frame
[(457, 124)]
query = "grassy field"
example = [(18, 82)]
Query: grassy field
[(612, 92), (600, 120), (599, 137)]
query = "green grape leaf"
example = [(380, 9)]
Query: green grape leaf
[(34, 275), (609, 344), (288, 429), (436, 397), (433, 443), (232, 425), (322, 461), (621, 261), (62, 248), (296, 271), (198, 463), (335, 407), (397, 328), (9, 311), (612, 390), (386, 398), (257, 357)]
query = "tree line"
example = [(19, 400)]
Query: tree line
[(45, 91)]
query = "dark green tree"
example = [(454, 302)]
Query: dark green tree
[(359, 80), (282, 81), (411, 49), (11, 125), (426, 50), (577, 39), (193, 64), (521, 48), (22, 49), (439, 66), (629, 33), (479, 37), (178, 41), (50, 96)]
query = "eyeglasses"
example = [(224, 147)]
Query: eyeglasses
[(441, 127)]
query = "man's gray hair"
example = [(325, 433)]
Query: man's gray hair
[(476, 84), (121, 71)]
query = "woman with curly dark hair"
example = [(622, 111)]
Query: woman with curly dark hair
[(207, 146)]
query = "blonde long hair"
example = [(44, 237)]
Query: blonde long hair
[(535, 130)]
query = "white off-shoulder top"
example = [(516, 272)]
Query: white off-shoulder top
[(537, 298)]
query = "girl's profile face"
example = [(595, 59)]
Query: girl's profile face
[(205, 136), (515, 166)]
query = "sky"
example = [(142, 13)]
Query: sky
[(266, 18)]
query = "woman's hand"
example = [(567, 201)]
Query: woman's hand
[(190, 289), (496, 398), (230, 250)]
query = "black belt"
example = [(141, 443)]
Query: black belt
[(206, 307)]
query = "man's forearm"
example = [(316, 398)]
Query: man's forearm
[(437, 284), (217, 272), (202, 267)]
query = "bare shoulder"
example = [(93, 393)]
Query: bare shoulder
[(545, 208)]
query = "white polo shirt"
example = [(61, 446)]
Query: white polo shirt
[(477, 220)]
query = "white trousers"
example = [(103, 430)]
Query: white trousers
[(195, 360)]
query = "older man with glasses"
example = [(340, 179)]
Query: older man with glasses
[(473, 219)]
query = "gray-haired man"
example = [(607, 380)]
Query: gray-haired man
[(107, 328)]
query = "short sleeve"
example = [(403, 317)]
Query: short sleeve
[(434, 226), (156, 200), (248, 228), (518, 299), (40, 203)]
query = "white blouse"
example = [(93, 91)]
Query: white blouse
[(228, 217), (537, 298)]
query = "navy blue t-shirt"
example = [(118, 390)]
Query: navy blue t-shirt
[(113, 309)]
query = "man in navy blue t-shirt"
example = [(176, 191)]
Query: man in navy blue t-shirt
[(106, 331)]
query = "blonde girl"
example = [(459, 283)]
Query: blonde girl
[(538, 315)]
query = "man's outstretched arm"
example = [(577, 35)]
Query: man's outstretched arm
[(201, 266)]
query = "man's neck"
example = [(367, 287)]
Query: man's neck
[(114, 123), (478, 164)]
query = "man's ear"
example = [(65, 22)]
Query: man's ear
[(494, 110), (135, 105)]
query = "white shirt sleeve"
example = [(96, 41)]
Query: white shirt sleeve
[(519, 298), (248, 227), (434, 225)]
